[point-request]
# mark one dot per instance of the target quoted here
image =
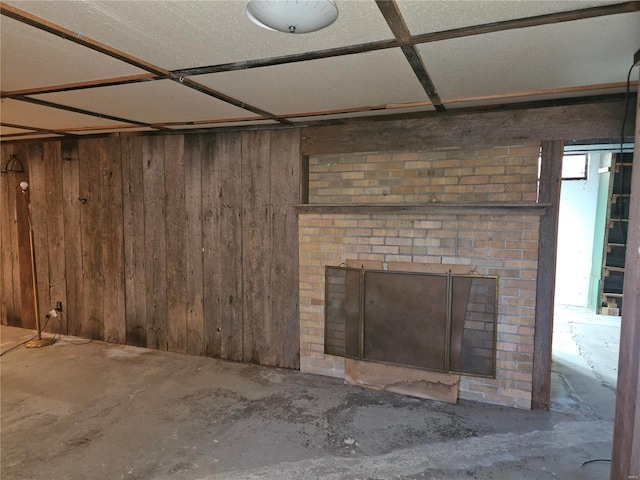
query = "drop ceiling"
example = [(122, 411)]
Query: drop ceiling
[(72, 68)]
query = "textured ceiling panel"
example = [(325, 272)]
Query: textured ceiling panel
[(429, 16), (367, 79), (586, 52), (125, 131), (149, 102), (33, 58), (181, 34), (36, 116)]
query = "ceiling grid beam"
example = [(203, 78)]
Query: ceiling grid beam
[(391, 13), (160, 73)]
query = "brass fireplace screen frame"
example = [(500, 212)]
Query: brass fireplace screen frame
[(441, 322)]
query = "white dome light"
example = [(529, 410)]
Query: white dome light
[(292, 16)]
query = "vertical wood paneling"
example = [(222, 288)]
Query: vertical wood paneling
[(6, 279), (73, 309), (212, 317), (258, 247), (187, 243), (193, 151), (176, 243), (135, 318), (228, 246), (91, 225), (55, 234), (112, 241), (17, 304), (39, 210), (155, 242), (284, 178)]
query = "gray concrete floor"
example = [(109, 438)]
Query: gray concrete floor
[(102, 411)]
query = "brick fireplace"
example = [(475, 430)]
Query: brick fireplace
[(473, 208)]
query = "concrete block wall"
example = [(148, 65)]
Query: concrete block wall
[(490, 244), (450, 175), (502, 245)]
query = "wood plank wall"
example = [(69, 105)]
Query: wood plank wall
[(185, 243)]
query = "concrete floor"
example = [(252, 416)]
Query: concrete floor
[(102, 411)]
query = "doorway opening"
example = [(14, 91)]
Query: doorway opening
[(586, 333)]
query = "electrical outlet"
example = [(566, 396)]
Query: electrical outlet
[(59, 306)]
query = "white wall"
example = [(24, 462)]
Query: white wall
[(578, 203)]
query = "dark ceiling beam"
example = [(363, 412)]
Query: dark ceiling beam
[(32, 130), (286, 59), (225, 98), (536, 21), (391, 13), (547, 19), (45, 103), (159, 72), (69, 87)]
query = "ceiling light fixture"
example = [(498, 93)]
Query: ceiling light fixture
[(292, 16)]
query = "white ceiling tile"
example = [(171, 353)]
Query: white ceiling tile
[(586, 52), (33, 58), (367, 79), (181, 34), (37, 116), (435, 16), (157, 101), (115, 132)]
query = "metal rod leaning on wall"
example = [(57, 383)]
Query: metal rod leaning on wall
[(39, 341)]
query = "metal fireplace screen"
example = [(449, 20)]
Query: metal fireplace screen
[(442, 322)]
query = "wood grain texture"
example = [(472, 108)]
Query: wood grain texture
[(228, 243), (258, 247), (284, 174), (211, 312), (155, 242), (112, 241), (176, 242), (55, 234), (91, 225), (39, 209), (550, 182), (73, 310), (193, 154), (596, 120), (135, 317)]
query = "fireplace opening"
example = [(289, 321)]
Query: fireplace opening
[(434, 321)]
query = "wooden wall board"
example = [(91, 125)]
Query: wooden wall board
[(193, 155), (284, 178), (112, 241), (586, 121), (258, 247), (91, 226), (55, 235), (39, 210), (155, 242), (210, 258), (550, 182), (176, 242), (135, 315), (73, 309), (228, 245)]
